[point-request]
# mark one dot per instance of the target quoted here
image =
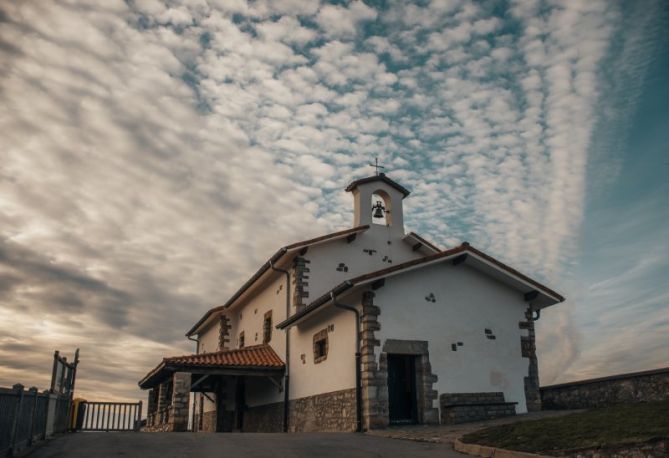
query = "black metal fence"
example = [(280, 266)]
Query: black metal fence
[(27, 416)]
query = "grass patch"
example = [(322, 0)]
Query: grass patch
[(611, 426)]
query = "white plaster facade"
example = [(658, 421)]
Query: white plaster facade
[(466, 303)]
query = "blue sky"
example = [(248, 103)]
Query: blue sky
[(155, 153)]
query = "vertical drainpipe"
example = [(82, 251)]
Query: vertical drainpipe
[(358, 358), (197, 351), (286, 384)]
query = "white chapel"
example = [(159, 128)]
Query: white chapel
[(359, 329)]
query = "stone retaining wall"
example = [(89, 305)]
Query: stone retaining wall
[(644, 386), (468, 407), (328, 412)]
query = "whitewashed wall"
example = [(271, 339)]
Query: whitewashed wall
[(325, 258), (208, 343), (337, 371), (209, 338), (249, 319), (467, 302)]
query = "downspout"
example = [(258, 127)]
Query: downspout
[(197, 351), (286, 383), (358, 358)]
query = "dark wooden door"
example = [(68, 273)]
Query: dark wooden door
[(240, 403), (402, 388)]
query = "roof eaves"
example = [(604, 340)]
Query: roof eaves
[(267, 265), (423, 241), (546, 290), (380, 177), (317, 303), (366, 278)]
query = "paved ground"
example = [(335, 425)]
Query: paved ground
[(446, 434), (420, 441), (248, 445)]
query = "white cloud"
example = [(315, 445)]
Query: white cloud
[(343, 21), (149, 148)]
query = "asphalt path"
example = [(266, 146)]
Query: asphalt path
[(247, 445)]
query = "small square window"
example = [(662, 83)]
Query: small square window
[(320, 346), (267, 327), (241, 339)]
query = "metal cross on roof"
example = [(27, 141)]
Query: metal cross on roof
[(376, 165)]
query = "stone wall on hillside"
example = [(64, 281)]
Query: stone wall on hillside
[(634, 387)]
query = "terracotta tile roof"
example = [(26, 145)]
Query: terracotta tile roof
[(268, 265), (257, 357)]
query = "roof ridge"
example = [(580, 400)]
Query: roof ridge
[(380, 177)]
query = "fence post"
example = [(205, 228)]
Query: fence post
[(33, 390), (45, 393), (138, 423), (52, 402), (54, 371), (17, 414)]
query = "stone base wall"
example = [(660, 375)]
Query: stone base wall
[(267, 418), (467, 407), (328, 412), (618, 389), (159, 428)]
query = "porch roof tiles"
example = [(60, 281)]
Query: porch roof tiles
[(257, 357)]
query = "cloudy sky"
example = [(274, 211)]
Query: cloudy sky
[(154, 154)]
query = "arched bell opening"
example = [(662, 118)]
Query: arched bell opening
[(381, 208)]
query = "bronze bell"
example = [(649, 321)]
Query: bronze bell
[(378, 209)]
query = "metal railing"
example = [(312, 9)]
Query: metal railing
[(27, 416), (109, 416)]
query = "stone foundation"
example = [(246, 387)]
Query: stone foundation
[(328, 412), (601, 392), (159, 428), (467, 407)]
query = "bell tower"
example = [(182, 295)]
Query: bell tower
[(378, 201)]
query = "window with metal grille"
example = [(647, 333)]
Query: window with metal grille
[(320, 346)]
